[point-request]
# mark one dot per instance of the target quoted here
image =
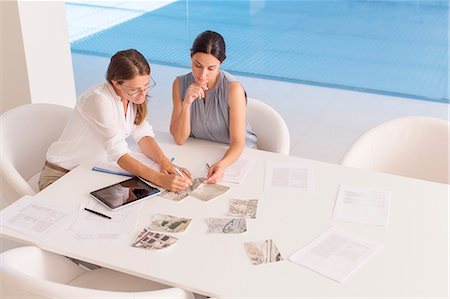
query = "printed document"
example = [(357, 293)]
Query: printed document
[(336, 254), (91, 226), (236, 172), (356, 204), (282, 175), (37, 219)]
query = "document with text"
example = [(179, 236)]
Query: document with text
[(34, 218), (362, 205), (336, 254), (236, 172), (282, 175), (91, 226)]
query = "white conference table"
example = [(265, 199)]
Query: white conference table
[(413, 262)]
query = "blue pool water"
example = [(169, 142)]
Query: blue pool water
[(389, 47)]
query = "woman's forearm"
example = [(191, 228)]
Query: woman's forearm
[(217, 170), (151, 149), (137, 168), (232, 154), (180, 127)]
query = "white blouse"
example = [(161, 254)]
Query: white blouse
[(97, 129)]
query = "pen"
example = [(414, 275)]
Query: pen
[(177, 169), (97, 213), (207, 165)]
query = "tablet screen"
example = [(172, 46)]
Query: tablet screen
[(124, 193)]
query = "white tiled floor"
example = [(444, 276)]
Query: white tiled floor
[(323, 122)]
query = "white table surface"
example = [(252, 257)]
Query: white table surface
[(413, 262)]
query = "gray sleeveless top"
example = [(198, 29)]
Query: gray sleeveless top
[(210, 117)]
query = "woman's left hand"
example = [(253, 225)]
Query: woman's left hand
[(215, 173), (168, 168)]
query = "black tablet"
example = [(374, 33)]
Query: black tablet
[(124, 193)]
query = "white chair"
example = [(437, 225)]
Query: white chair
[(414, 146), (26, 132), (269, 126), (30, 272)]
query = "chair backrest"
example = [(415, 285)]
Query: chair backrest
[(413, 146), (269, 127), (30, 272), (26, 132)]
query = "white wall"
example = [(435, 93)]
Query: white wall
[(14, 89), (47, 52), (35, 59)]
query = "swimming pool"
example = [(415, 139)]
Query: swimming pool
[(388, 47)]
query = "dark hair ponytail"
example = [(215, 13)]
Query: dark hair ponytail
[(210, 42), (125, 65)]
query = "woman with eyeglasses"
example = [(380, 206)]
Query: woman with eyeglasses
[(104, 117), (210, 104)]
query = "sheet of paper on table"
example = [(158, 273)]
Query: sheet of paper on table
[(362, 205), (91, 226), (40, 220), (282, 175), (336, 254)]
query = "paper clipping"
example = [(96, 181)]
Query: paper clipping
[(243, 208), (169, 224), (199, 190), (151, 240), (177, 196), (206, 192), (263, 252), (226, 225)]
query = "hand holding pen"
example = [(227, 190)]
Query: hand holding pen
[(170, 179), (215, 173), (181, 171)]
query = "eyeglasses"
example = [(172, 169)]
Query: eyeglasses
[(137, 91)]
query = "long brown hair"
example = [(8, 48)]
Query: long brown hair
[(125, 65)]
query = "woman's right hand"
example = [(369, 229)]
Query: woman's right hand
[(173, 182), (194, 92)]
